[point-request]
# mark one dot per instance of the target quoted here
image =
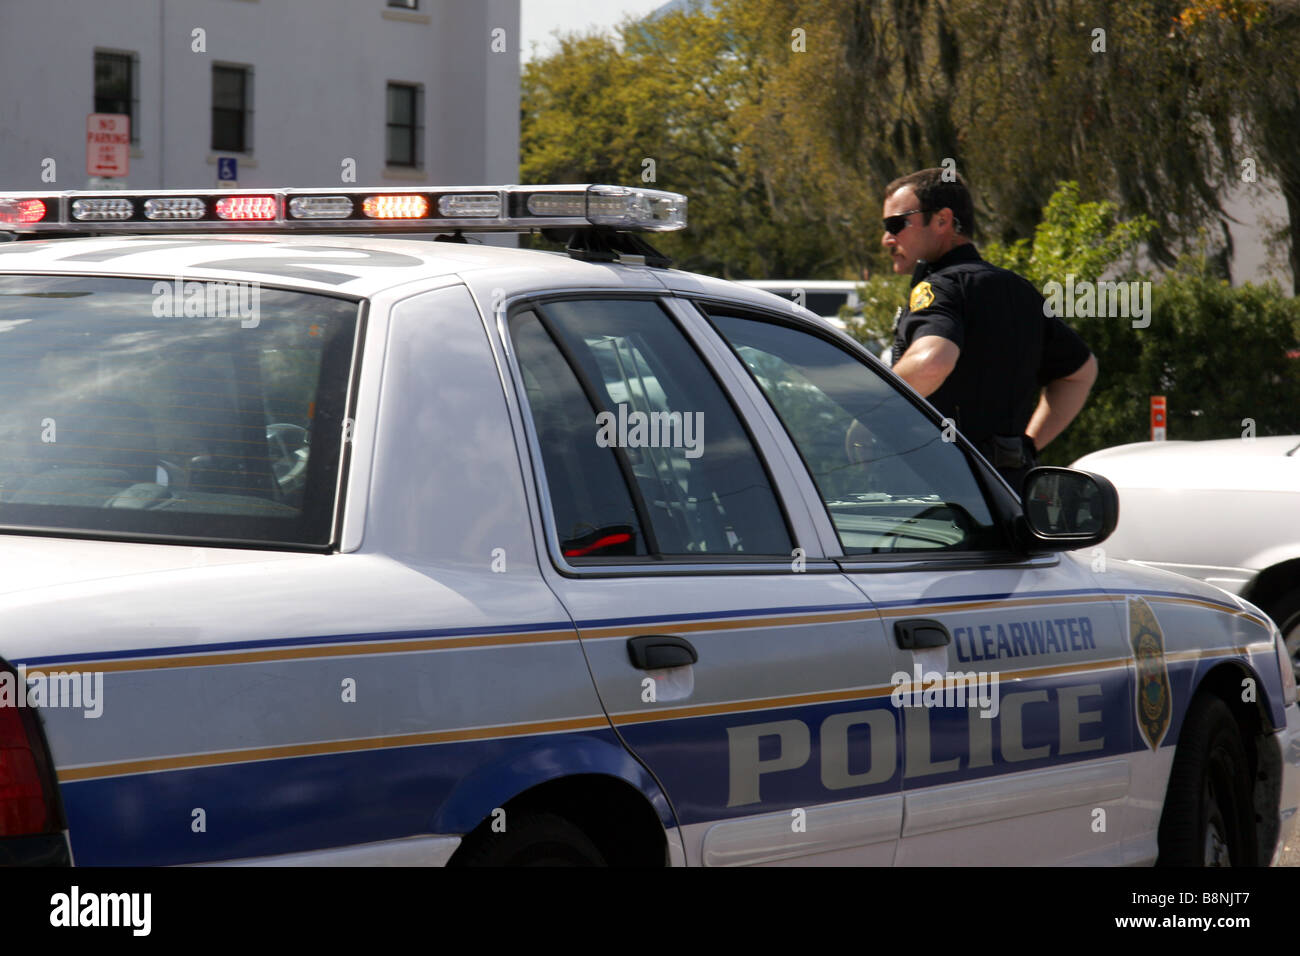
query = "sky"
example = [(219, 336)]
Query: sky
[(540, 18)]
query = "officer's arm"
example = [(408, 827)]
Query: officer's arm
[(927, 363), (1060, 402)]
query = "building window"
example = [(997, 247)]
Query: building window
[(232, 109), (404, 129), (405, 4), (117, 87)]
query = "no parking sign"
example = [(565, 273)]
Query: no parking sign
[(108, 144)]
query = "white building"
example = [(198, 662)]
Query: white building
[(297, 92)]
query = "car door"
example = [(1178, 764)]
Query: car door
[(1034, 769), (734, 660)]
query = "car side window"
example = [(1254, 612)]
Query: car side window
[(889, 480), (644, 455)]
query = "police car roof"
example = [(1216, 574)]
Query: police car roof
[(353, 265)]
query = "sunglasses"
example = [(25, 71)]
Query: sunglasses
[(896, 224)]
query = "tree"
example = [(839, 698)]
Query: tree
[(783, 120), (1247, 52), (1016, 96), (672, 107)]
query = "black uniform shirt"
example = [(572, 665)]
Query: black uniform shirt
[(1010, 349)]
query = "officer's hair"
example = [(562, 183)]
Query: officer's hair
[(934, 193)]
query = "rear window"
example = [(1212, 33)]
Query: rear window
[(171, 409)]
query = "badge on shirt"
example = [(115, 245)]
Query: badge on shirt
[(922, 297)]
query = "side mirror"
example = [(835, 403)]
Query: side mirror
[(1064, 509)]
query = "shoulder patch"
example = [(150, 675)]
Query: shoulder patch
[(922, 297)]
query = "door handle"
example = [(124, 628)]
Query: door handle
[(653, 652), (920, 633)]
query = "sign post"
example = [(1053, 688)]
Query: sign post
[(108, 145)]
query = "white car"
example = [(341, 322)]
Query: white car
[(335, 548), (1226, 512)]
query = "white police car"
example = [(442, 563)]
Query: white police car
[(337, 549)]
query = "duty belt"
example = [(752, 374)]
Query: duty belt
[(1006, 451)]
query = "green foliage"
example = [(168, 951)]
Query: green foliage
[(1217, 352), (673, 104), (784, 142), (881, 297), (1076, 238)]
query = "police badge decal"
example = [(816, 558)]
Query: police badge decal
[(922, 297), (1153, 704)]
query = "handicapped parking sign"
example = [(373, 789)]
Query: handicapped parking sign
[(227, 171)]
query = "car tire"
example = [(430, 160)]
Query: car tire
[(1285, 612), (530, 839), (1209, 819)]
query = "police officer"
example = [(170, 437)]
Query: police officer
[(975, 339)]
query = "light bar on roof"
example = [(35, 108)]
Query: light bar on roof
[(425, 209), (25, 212), (484, 206), (248, 207), (402, 206), (167, 208), (320, 207), (90, 210)]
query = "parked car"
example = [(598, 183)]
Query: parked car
[(825, 297), (1226, 512), (347, 548)]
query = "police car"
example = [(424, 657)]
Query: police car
[(329, 548)]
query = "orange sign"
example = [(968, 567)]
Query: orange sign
[(108, 144), (1158, 418)]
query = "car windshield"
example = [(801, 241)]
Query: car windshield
[(204, 411)]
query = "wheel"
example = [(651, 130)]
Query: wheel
[(1285, 612), (530, 839), (1209, 819)]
